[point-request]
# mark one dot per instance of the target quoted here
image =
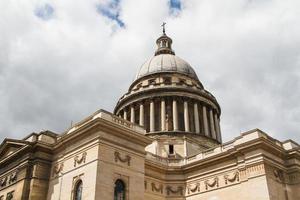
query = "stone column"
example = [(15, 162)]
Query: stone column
[(175, 115), (152, 120), (125, 114), (196, 118), (186, 116), (141, 114), (205, 124), (163, 115), (212, 124), (218, 130), (132, 114)]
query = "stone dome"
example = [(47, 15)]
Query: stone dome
[(169, 101), (166, 63)]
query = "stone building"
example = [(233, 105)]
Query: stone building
[(162, 142)]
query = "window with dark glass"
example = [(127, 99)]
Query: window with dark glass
[(181, 82), (119, 190), (167, 81), (152, 81), (171, 149), (78, 191)]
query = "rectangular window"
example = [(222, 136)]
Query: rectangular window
[(171, 149), (167, 81)]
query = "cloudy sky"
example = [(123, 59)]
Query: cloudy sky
[(61, 60)]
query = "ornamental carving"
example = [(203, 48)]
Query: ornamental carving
[(278, 175), (211, 183), (58, 168), (12, 178), (78, 160), (231, 177), (255, 170), (122, 122), (178, 191), (192, 189), (294, 178), (157, 189), (123, 160), (3, 182), (10, 195)]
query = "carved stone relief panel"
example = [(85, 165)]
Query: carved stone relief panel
[(294, 178), (211, 183), (193, 188), (79, 159), (3, 182), (8, 179), (125, 159), (255, 170), (12, 177), (157, 188), (58, 168), (231, 178), (10, 195), (171, 191)]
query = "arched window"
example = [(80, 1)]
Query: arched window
[(119, 190), (78, 191)]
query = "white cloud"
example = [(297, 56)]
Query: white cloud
[(54, 71)]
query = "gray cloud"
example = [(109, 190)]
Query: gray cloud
[(60, 70)]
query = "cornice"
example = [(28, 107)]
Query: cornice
[(168, 92), (261, 143), (99, 124)]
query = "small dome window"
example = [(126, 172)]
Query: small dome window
[(167, 80), (152, 81), (182, 82)]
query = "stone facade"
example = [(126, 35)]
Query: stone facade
[(162, 142)]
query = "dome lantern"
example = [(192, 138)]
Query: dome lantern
[(164, 43)]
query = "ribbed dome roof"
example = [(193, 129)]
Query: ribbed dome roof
[(166, 63)]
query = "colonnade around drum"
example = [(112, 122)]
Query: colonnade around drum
[(177, 114)]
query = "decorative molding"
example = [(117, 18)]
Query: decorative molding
[(3, 182), (294, 178), (123, 160), (78, 160), (121, 121), (211, 183), (243, 174), (255, 170), (58, 168), (13, 177), (170, 191), (278, 175), (232, 178), (157, 189), (9, 179), (10, 195), (194, 189)]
